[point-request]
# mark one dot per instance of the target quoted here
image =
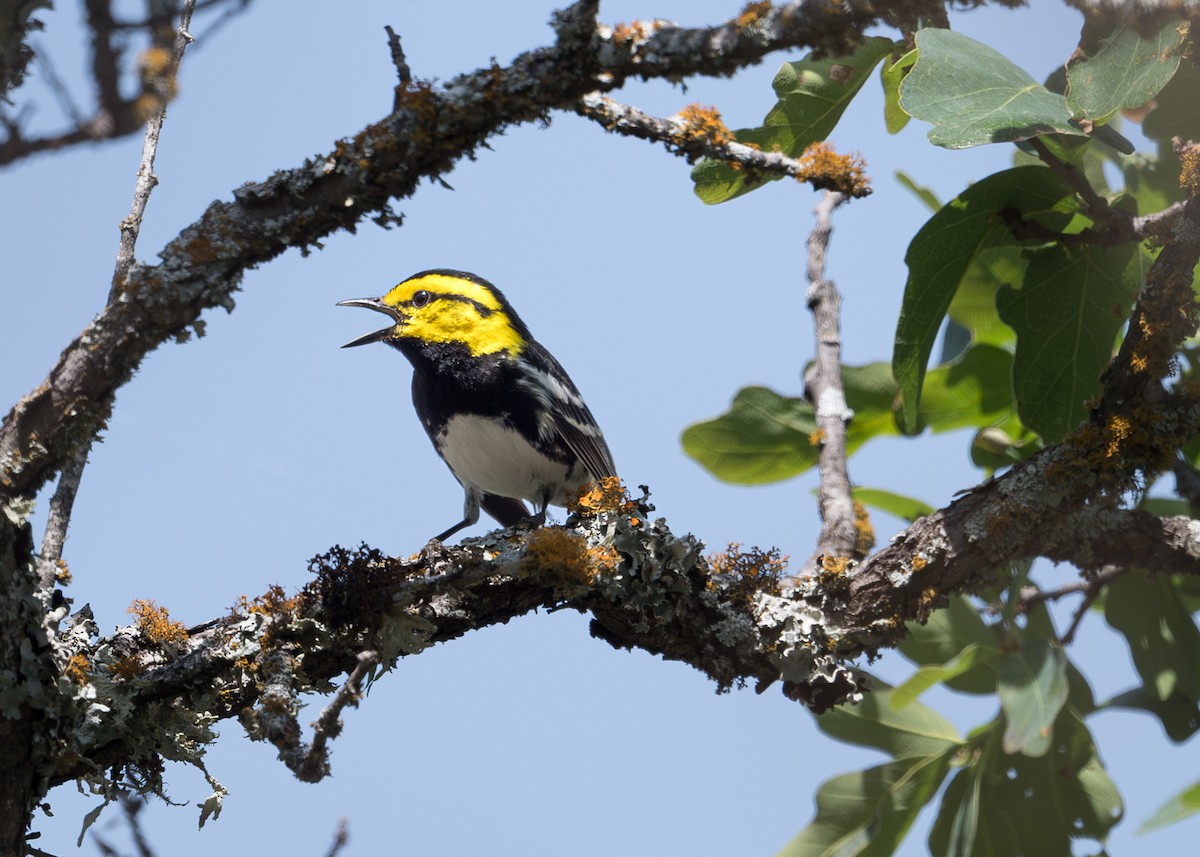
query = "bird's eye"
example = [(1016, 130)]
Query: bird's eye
[(419, 299)]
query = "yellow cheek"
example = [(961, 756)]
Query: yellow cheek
[(457, 321)]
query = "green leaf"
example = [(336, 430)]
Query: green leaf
[(764, 437), (1066, 315), (813, 93), (1180, 718), (946, 634), (914, 730), (905, 508), (1183, 805), (955, 828), (919, 191), (973, 95), (1177, 110), (1032, 690), (975, 389), (1164, 642), (892, 74), (1127, 70), (972, 656), (944, 250), (868, 812), (974, 302), (1033, 807)]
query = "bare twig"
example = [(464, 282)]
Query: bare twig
[(146, 180), (328, 725), (685, 137), (59, 518), (1114, 221), (130, 805), (1090, 588), (340, 838), (72, 472), (61, 93), (838, 539), (403, 73)]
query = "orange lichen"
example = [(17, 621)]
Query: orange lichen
[(824, 167), (752, 13), (704, 125), (1119, 430), (625, 33), (1189, 168), (833, 566), (274, 602), (604, 495), (126, 667), (156, 66), (62, 574), (78, 669), (926, 603), (563, 554), (919, 562), (744, 573), (155, 624), (864, 532), (817, 437)]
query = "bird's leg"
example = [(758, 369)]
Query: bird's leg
[(470, 515)]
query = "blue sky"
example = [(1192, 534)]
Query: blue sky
[(231, 460)]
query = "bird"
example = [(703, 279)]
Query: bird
[(499, 408)]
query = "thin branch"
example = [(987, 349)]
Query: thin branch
[(146, 180), (1090, 588), (838, 539), (59, 519), (328, 725), (68, 481), (61, 93), (1117, 222), (340, 838), (699, 133)]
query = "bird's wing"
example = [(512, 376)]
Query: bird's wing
[(506, 510), (569, 416)]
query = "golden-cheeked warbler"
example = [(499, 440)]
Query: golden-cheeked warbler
[(500, 410)]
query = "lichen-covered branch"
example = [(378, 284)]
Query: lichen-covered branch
[(838, 542), (644, 586), (699, 132)]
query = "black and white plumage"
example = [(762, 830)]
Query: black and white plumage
[(499, 408)]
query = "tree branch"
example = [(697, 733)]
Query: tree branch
[(838, 540), (698, 132)]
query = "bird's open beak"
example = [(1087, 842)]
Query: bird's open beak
[(379, 306)]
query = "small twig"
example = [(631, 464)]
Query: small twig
[(680, 138), (327, 725), (1090, 588), (340, 838), (1031, 230), (59, 518), (132, 806), (61, 93), (146, 180), (838, 538), (1116, 222), (403, 73)]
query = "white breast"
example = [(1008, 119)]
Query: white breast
[(486, 454)]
